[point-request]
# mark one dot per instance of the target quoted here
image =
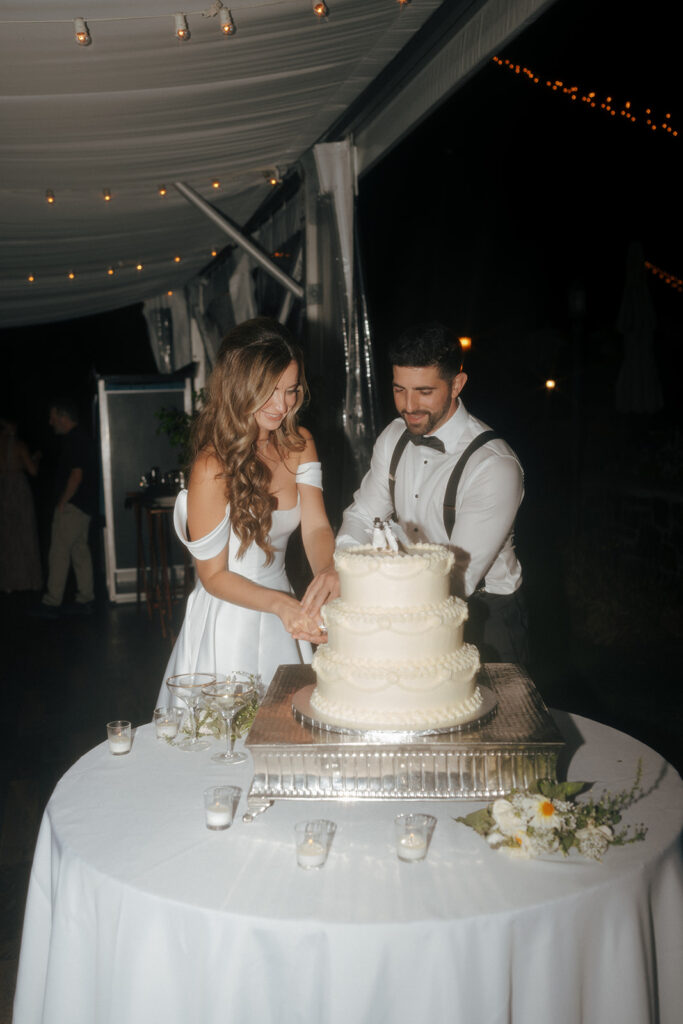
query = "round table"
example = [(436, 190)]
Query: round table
[(136, 913)]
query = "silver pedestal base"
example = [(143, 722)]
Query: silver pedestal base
[(297, 758)]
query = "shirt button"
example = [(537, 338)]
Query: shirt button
[(416, 495), (425, 462), (415, 529)]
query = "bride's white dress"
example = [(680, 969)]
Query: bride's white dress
[(217, 636)]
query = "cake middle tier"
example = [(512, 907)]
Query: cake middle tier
[(381, 633)]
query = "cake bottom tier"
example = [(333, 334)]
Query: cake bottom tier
[(429, 693)]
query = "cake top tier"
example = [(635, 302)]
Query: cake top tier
[(379, 578)]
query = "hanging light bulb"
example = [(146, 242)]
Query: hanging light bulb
[(162, 190), (49, 197), (550, 385), (176, 259), (273, 177), (71, 275), (81, 32), (320, 8), (227, 24), (465, 342), (30, 278), (214, 252), (138, 266), (106, 195), (215, 183), (110, 271), (181, 28)]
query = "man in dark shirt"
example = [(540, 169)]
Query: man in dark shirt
[(76, 493)]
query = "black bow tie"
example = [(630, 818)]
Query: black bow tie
[(428, 442)]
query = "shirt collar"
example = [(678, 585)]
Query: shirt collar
[(453, 428)]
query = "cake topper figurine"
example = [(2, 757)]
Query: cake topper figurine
[(383, 537)]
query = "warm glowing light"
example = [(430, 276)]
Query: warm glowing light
[(181, 29), (550, 385), (138, 266), (81, 33), (215, 183), (31, 278), (169, 293), (465, 342), (214, 252), (176, 259), (162, 190), (71, 275), (49, 197), (227, 24), (590, 98), (106, 195), (320, 8), (110, 271)]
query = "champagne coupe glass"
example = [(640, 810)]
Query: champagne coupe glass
[(189, 688), (227, 698)]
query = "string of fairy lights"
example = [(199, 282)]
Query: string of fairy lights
[(632, 115), (663, 275), (645, 116)]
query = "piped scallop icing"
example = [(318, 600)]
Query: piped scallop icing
[(380, 579)]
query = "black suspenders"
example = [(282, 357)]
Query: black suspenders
[(454, 479)]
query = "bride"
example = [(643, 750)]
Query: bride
[(255, 476)]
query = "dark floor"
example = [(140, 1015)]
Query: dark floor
[(63, 680)]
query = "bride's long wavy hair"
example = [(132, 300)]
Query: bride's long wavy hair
[(251, 360)]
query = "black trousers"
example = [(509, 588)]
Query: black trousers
[(497, 624)]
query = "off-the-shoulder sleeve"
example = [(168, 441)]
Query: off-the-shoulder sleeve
[(310, 473), (206, 547)]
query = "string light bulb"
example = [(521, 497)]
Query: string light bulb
[(214, 252), (320, 8), (81, 32), (106, 195), (465, 342), (273, 177), (110, 271), (49, 197), (215, 183), (550, 385), (138, 266), (30, 278), (176, 259), (182, 30), (162, 190), (227, 24), (71, 275)]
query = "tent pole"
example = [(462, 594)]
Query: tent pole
[(236, 235)]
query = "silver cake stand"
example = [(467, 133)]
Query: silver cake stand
[(512, 742)]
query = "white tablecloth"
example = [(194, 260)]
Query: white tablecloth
[(137, 914)]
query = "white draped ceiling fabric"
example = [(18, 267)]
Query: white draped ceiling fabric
[(138, 109)]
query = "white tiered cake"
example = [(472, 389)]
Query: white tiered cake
[(395, 657)]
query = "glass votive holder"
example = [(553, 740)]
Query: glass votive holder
[(413, 833), (120, 737), (167, 722), (219, 806), (313, 841)]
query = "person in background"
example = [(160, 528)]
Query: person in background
[(255, 476), (19, 551), (76, 503), (446, 478)]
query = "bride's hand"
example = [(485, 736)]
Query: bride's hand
[(295, 620), (323, 588)]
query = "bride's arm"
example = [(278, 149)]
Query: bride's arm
[(318, 540), (205, 510)]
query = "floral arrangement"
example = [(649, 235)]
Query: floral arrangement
[(546, 818)]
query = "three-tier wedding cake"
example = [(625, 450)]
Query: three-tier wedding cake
[(395, 657)]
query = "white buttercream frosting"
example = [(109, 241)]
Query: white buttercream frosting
[(395, 657)]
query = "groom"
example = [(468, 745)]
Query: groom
[(446, 478)]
